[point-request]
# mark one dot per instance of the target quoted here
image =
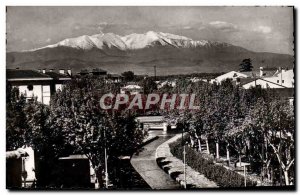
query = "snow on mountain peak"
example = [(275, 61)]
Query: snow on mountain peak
[(131, 42)]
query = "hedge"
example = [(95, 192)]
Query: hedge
[(217, 173)]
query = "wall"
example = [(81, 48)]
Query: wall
[(262, 83)]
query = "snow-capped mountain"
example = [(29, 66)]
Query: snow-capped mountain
[(132, 41), (171, 54)]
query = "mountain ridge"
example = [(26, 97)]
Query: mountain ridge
[(171, 54), (130, 42)]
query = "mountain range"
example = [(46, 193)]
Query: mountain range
[(171, 54)]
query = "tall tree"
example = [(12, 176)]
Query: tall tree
[(148, 85), (17, 130), (128, 76), (276, 119), (246, 65), (76, 112)]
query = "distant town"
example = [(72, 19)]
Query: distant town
[(42, 83)]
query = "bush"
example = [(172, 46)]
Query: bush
[(217, 173)]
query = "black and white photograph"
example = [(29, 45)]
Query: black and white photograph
[(150, 98)]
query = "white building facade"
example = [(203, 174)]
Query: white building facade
[(35, 84)]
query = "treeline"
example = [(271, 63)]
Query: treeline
[(255, 125)]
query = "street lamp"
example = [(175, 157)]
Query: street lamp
[(105, 155), (105, 160), (184, 160)]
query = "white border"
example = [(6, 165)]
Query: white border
[(5, 3)]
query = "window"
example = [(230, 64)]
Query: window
[(30, 87), (282, 81), (277, 81)]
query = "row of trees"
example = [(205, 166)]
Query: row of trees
[(73, 123), (255, 125)]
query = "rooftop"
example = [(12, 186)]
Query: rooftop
[(256, 79), (132, 87), (58, 76), (17, 74), (95, 70), (115, 75)]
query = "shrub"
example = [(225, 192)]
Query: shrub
[(217, 173)]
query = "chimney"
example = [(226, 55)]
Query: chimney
[(44, 71), (62, 71), (261, 71), (280, 73), (69, 72)]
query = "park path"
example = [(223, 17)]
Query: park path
[(145, 164)]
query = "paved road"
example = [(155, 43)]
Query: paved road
[(145, 164)]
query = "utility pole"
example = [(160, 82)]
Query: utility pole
[(279, 151), (184, 166), (184, 163), (245, 178), (105, 160), (155, 72)]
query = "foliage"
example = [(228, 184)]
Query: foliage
[(148, 85), (246, 65), (74, 123), (128, 76), (245, 123), (219, 174), (16, 127), (87, 128)]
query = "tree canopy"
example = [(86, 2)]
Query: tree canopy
[(246, 65)]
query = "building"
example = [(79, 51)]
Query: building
[(94, 72), (83, 72), (114, 78), (132, 89), (37, 84), (20, 166), (265, 77), (263, 83), (154, 123), (281, 79), (261, 72), (14, 168), (98, 72), (233, 75), (77, 172), (161, 84)]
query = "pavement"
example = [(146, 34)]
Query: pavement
[(144, 162), (175, 166)]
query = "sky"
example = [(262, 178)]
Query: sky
[(260, 29)]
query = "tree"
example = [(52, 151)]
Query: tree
[(76, 112), (28, 125), (148, 85), (16, 127), (128, 76), (246, 65), (276, 119)]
